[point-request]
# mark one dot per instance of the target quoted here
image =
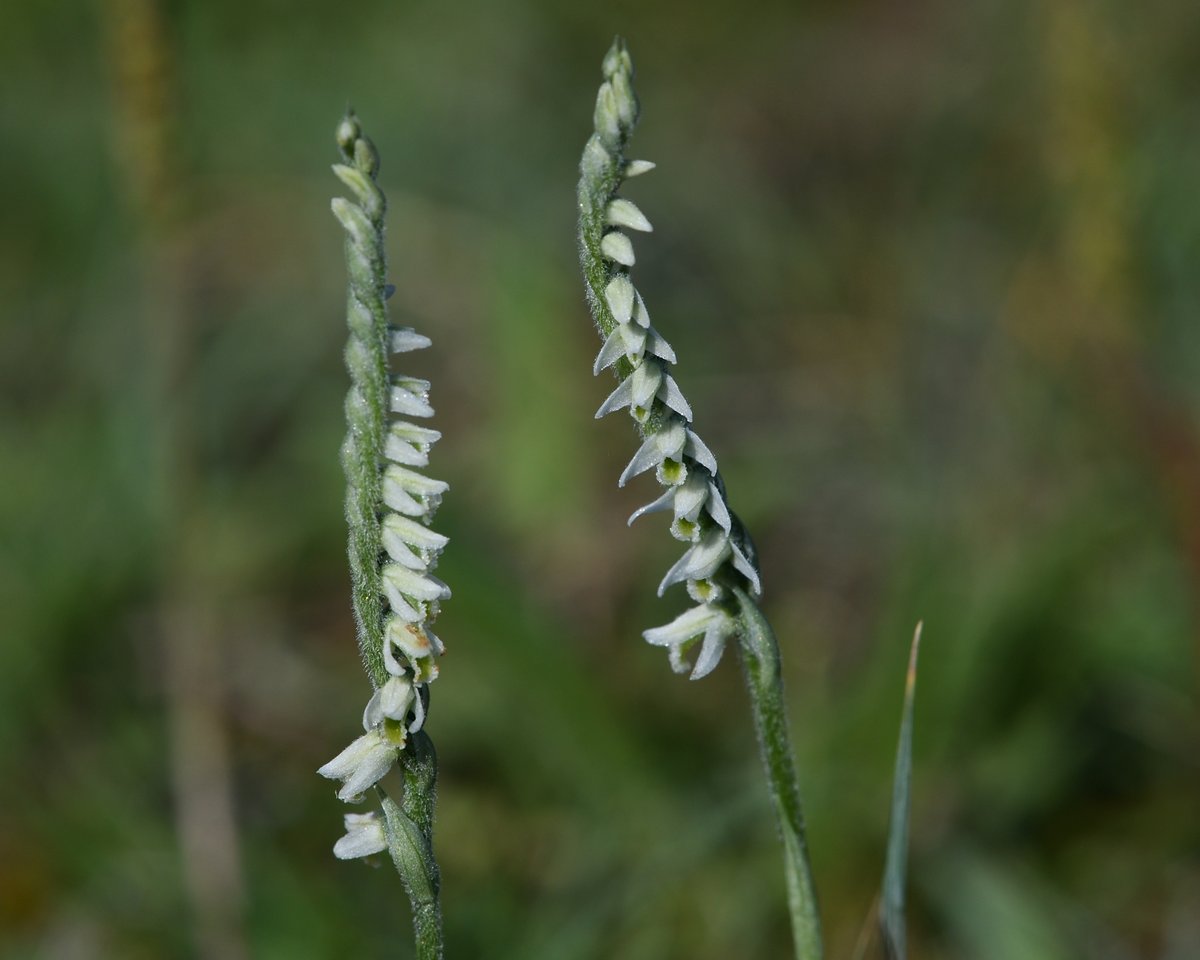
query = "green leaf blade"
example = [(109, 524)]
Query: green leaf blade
[(891, 907)]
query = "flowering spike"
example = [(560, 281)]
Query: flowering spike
[(392, 551), (638, 353)]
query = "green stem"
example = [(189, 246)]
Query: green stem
[(410, 842), (761, 666)]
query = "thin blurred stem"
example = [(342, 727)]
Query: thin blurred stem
[(193, 647), (761, 666)]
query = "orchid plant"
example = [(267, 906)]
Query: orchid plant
[(719, 565), (389, 505)]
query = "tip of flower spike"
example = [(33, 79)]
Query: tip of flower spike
[(347, 132), (617, 58)]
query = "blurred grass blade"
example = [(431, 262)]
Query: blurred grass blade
[(891, 907)]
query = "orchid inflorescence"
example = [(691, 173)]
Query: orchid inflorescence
[(389, 504), (719, 552)]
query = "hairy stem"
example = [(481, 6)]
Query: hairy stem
[(410, 843), (764, 681)]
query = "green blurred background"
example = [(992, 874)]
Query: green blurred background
[(931, 270)]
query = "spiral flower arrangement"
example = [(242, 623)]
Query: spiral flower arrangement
[(719, 554), (389, 503)]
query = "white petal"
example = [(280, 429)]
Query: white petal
[(406, 609), (612, 351), (606, 116), (395, 697), (697, 450), (402, 553), (635, 168), (656, 345), (649, 455), (361, 842), (411, 639), (645, 380), (352, 218), (641, 316), (666, 443), (405, 339), (708, 555), (622, 213), (399, 450), (616, 246), (411, 532), (409, 404), (419, 586), (662, 503), (418, 706), (635, 340), (690, 623), (361, 764), (397, 498), (742, 565), (677, 573), (618, 399), (710, 650), (699, 562), (690, 496), (373, 769), (670, 394), (624, 98), (619, 296), (393, 666), (672, 437), (717, 509), (435, 642), (344, 763), (415, 483), (415, 434), (371, 716)]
